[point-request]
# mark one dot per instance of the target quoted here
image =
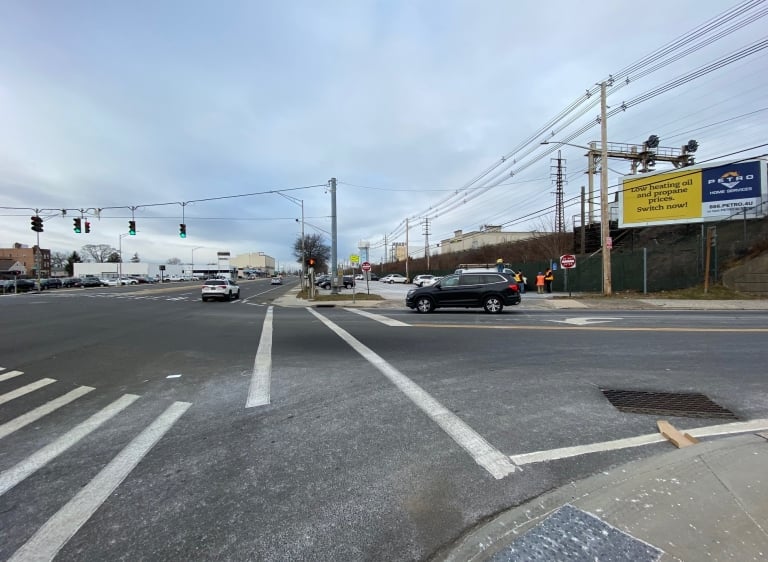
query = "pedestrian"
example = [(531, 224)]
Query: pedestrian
[(549, 277), (520, 279), (500, 265), (540, 283)]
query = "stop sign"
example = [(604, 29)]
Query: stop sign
[(366, 266), (568, 261)]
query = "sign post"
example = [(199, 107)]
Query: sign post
[(366, 267), (567, 261)]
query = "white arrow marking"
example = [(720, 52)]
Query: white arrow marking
[(585, 321)]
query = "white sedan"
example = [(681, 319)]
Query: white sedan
[(394, 278), (109, 281)]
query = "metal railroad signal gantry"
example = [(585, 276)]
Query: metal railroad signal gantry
[(77, 225), (182, 230), (37, 223), (132, 228)]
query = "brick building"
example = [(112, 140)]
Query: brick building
[(30, 258)]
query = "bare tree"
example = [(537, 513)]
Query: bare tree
[(99, 253), (313, 248), (58, 260), (135, 258), (173, 261)]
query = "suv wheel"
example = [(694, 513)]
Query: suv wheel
[(237, 295), (493, 304), (229, 298), (424, 305)]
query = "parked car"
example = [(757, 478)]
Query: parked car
[(374, 276), (394, 278), (322, 279), (110, 281), (420, 279), (432, 281), (51, 283), (276, 281), (91, 282), (359, 277), (347, 281), (223, 289), (487, 290), (128, 281), (25, 285), (70, 282), (143, 279)]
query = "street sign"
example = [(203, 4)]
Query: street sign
[(354, 258), (608, 242), (366, 266), (568, 261)]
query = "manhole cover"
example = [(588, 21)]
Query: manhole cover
[(666, 404)]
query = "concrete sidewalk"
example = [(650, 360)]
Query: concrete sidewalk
[(704, 502)]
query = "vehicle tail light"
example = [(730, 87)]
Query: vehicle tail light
[(514, 287)]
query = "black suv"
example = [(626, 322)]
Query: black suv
[(347, 282), (490, 291)]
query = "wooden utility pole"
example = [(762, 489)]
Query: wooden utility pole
[(706, 259), (605, 227)]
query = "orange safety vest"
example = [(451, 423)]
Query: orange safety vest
[(540, 280)]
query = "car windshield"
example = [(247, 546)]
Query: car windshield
[(215, 282)]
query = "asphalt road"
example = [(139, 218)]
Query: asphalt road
[(371, 433)]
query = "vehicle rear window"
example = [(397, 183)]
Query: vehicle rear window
[(215, 282)]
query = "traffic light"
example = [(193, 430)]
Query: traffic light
[(77, 225), (37, 224), (132, 228), (87, 227), (183, 230), (311, 262)]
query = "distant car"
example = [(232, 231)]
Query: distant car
[(128, 281), (174, 278), (276, 281), (394, 278), (51, 283), (420, 279), (487, 290), (429, 282), (222, 289), (142, 279), (374, 276), (347, 281), (70, 282), (91, 282), (110, 281), (359, 277)]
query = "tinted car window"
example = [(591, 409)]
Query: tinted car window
[(472, 279), (215, 282)]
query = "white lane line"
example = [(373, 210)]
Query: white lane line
[(21, 391), (62, 526), (41, 457), (10, 374), (648, 439), (484, 454), (377, 317), (258, 393), (34, 415)]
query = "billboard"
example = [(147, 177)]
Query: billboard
[(694, 194)]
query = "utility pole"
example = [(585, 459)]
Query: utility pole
[(406, 248), (605, 227), (334, 268), (426, 240), (591, 182), (558, 172)]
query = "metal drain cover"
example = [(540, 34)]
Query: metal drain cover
[(666, 404)]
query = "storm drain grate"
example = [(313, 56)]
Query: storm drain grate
[(666, 404)]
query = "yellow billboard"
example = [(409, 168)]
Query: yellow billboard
[(670, 197)]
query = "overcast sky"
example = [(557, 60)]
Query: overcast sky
[(112, 105)]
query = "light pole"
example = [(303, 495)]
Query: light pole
[(193, 259), (120, 253)]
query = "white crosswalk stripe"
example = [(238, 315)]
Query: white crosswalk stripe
[(57, 531), (75, 510)]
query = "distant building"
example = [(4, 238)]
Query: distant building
[(31, 258), (257, 262), (488, 235)]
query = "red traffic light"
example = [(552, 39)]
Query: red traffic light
[(87, 227)]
